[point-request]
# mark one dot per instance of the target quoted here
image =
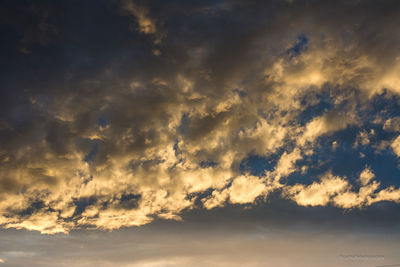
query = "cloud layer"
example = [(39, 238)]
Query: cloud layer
[(165, 106)]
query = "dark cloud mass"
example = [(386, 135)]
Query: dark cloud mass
[(117, 113)]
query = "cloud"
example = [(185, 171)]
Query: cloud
[(286, 163), (396, 146), (122, 135), (246, 189), (325, 124), (243, 190), (366, 176), (387, 194), (339, 192), (146, 24), (392, 124), (45, 222), (217, 199), (318, 193), (363, 138)]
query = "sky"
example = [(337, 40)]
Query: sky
[(200, 133)]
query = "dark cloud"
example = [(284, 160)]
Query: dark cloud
[(114, 113)]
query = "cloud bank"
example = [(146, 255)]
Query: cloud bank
[(151, 117)]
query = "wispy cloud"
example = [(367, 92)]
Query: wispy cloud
[(146, 23)]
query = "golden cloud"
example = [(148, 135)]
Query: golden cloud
[(175, 133)]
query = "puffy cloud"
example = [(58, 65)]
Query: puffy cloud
[(387, 194), (265, 136), (325, 124), (339, 192), (243, 190), (287, 162), (366, 176), (318, 193), (351, 199), (217, 199), (246, 189)]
